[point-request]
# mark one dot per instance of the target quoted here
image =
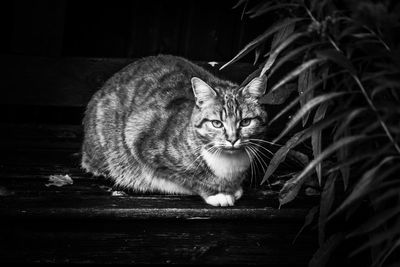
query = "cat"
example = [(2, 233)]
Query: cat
[(165, 124)]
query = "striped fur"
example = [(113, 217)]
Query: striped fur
[(148, 129)]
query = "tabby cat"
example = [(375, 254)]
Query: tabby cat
[(164, 124)]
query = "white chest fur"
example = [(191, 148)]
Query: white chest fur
[(226, 165)]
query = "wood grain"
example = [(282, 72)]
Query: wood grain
[(85, 222)]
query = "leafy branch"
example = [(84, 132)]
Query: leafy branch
[(344, 64)]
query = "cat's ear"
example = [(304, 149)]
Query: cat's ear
[(255, 88), (202, 91)]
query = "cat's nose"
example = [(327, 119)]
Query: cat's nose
[(233, 140)]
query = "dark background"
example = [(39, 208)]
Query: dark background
[(56, 54), (206, 30)]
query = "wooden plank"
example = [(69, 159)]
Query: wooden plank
[(71, 81), (176, 241), (145, 207)]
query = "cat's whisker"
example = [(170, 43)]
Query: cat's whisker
[(260, 146), (260, 152), (266, 165), (259, 159), (199, 156), (262, 161), (264, 141), (251, 165)]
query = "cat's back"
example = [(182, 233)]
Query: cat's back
[(155, 79), (148, 101)]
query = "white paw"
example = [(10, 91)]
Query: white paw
[(238, 194), (221, 199)]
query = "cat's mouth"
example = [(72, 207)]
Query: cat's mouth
[(232, 150)]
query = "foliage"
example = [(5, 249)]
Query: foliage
[(345, 60)]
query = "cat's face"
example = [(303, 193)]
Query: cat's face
[(229, 120)]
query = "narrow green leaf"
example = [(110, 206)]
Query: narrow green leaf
[(323, 254), (388, 252), (239, 3), (376, 75), (297, 99), (299, 179), (257, 54), (389, 193), (379, 238), (338, 58), (262, 11), (382, 87), (307, 221), (305, 79), (250, 77), (259, 6), (374, 222), (281, 36), (293, 74), (310, 105), (373, 107), (289, 191), (280, 155), (278, 97), (275, 53), (296, 139), (345, 169), (326, 203), (316, 137), (291, 56), (261, 38), (362, 187), (343, 154), (344, 125)]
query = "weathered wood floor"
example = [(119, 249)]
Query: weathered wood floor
[(85, 222)]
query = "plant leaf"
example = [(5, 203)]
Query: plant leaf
[(362, 187), (321, 257), (376, 221), (275, 53), (262, 11), (293, 74), (280, 155), (338, 58), (297, 138), (257, 54), (316, 137), (305, 79), (299, 179), (341, 129), (291, 56), (388, 252), (307, 221), (297, 99), (281, 35), (289, 190), (379, 238), (278, 97), (239, 3), (326, 203), (261, 38), (310, 104)]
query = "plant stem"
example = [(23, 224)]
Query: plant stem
[(370, 103), (372, 106)]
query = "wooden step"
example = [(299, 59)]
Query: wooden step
[(89, 221)]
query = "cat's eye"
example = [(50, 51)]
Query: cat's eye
[(216, 124), (245, 122)]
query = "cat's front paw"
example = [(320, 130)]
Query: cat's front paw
[(238, 194), (220, 199)]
